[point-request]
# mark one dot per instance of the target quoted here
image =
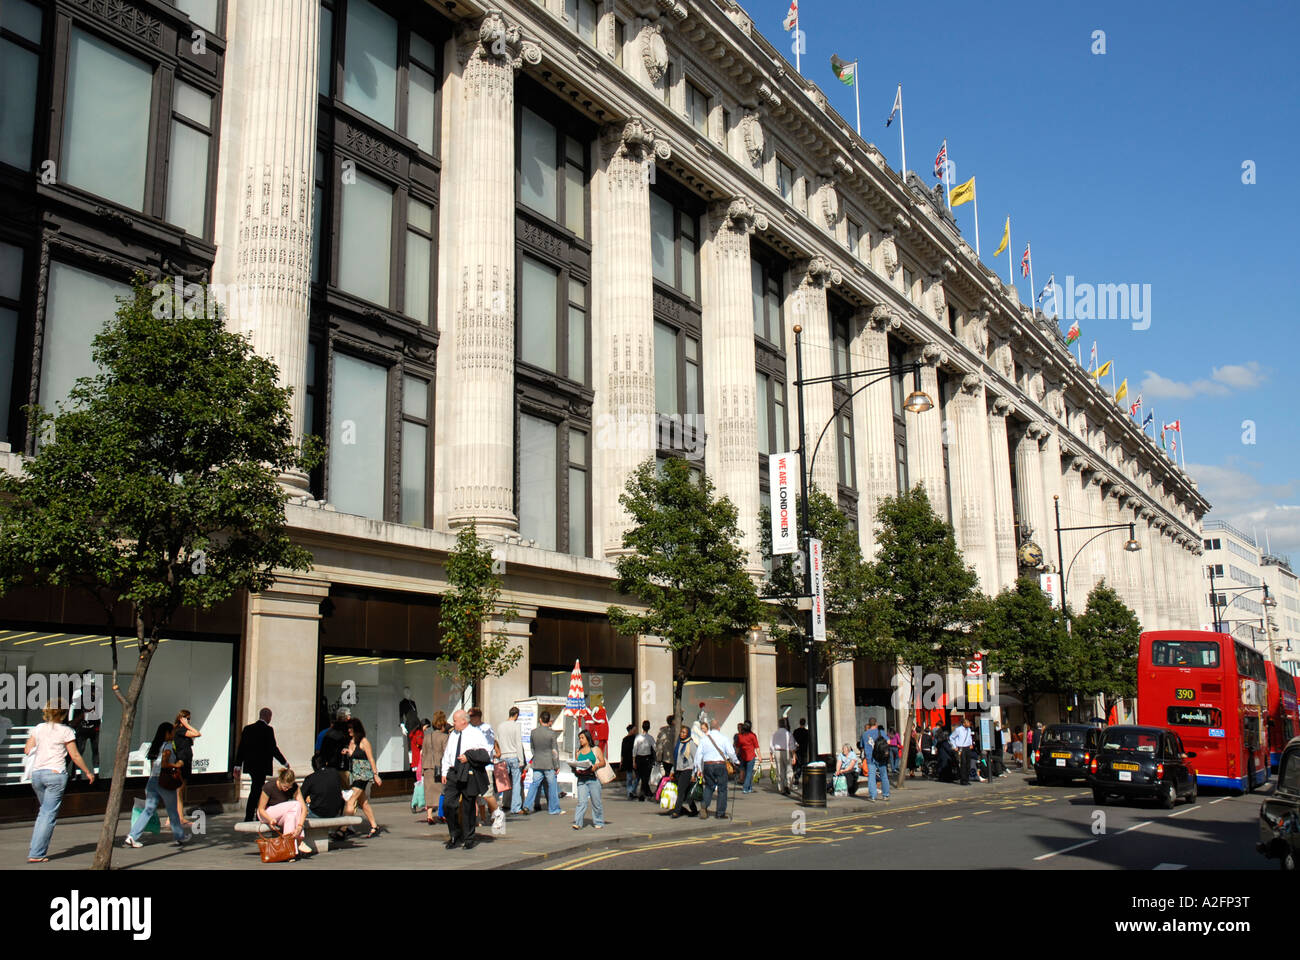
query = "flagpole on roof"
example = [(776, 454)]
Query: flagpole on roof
[(947, 180), (1033, 306), (857, 94), (975, 198), (902, 138), (798, 37)]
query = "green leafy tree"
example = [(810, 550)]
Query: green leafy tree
[(928, 602), (686, 568), (853, 616), (155, 488), (1107, 636), (1027, 644), (474, 598)]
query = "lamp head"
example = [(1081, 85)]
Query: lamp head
[(918, 401)]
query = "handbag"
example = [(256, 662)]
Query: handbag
[(605, 774), (731, 767), (169, 778), (362, 771), (277, 848), (417, 796), (153, 826), (697, 791)]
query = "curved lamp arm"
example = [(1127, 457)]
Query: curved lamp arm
[(1066, 582)]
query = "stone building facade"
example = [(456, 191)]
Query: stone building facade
[(503, 255)]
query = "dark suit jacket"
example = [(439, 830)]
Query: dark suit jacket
[(472, 776), (256, 748)]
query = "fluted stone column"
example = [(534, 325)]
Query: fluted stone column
[(623, 322), (1132, 561), (1147, 534), (728, 328), (1029, 484), (805, 306), (925, 435), (873, 424), (1050, 459), (1115, 575), (1164, 615), (1004, 529), (1098, 557), (760, 688), (1074, 513), (271, 99), (968, 444), (480, 242)]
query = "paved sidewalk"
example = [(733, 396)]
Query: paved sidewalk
[(408, 843)]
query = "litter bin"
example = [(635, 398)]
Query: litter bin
[(814, 784)]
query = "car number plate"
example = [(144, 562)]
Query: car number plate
[(1125, 766), (1126, 774), (1060, 763), (1060, 756)]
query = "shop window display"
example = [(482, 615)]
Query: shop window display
[(721, 703), (792, 702), (613, 691), (373, 688), (193, 675)]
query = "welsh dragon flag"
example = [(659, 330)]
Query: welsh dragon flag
[(1072, 334)]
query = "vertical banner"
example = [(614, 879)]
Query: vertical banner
[(783, 473), (818, 589), (1050, 584)]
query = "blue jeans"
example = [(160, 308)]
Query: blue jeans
[(589, 790), (552, 791), (872, 771), (49, 787), (895, 756), (516, 780), (153, 796), (715, 777), (749, 775)]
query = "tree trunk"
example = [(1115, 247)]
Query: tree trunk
[(117, 786)]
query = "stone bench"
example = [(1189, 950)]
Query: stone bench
[(316, 833)]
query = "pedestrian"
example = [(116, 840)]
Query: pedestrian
[(282, 806), (665, 744), (977, 754), (996, 767), (802, 741), (783, 747), (895, 751), (589, 784), (161, 788), (711, 761), (510, 743), (253, 756), (846, 766), (546, 758), (321, 791), (948, 758), (627, 760), (184, 734), (51, 744), (962, 741), (643, 755), (875, 758), (684, 771), (464, 772), (488, 799), (748, 754), (364, 775), (928, 746), (435, 745)]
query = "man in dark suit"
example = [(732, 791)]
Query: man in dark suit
[(253, 756), (464, 773)]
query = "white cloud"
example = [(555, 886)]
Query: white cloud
[(1221, 382), (1238, 497)]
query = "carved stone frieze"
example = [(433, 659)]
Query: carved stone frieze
[(751, 129), (888, 253), (830, 203), (654, 52)]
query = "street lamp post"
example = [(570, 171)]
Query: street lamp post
[(1132, 546), (917, 402)]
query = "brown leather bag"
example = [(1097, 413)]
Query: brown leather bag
[(277, 848)]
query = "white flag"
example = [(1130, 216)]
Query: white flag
[(898, 105)]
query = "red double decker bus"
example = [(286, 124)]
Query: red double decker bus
[(1211, 690), (1283, 717)]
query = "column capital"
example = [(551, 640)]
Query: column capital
[(817, 272), (971, 383), (633, 139), (739, 213), (882, 319), (933, 355), (499, 40), (1000, 407)]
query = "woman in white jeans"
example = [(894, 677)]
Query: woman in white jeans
[(50, 745)]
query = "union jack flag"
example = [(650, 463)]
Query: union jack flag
[(941, 162), (1135, 406), (1024, 262)]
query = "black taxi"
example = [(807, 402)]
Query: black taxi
[(1142, 762), (1279, 816), (1065, 752)]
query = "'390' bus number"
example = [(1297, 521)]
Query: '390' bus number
[(1184, 693)]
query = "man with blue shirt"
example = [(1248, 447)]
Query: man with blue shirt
[(870, 734), (711, 761), (962, 741)]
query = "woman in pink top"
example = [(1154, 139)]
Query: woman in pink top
[(50, 745)]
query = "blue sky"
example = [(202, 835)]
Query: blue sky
[(1122, 167)]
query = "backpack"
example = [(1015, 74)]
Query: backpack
[(880, 750)]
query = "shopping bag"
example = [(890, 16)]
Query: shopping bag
[(663, 784), (441, 815), (697, 791), (668, 796), (417, 797), (501, 777), (153, 826), (841, 785)]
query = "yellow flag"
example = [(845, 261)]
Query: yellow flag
[(1006, 238), (1101, 371), (963, 193), (1122, 392)]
